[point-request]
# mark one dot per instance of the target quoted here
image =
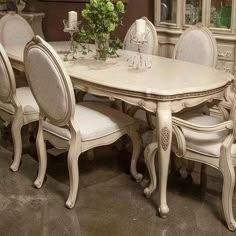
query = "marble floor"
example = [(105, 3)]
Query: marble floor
[(110, 203)]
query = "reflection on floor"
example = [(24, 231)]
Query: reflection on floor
[(110, 203)]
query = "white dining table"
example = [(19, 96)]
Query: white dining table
[(168, 87)]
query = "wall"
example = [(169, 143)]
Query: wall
[(57, 11)]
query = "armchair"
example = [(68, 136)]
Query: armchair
[(209, 140)]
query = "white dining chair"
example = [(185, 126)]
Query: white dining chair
[(65, 124), (197, 45), (14, 31), (211, 141), (151, 47), (17, 105)]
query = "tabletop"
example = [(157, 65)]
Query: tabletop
[(167, 77)]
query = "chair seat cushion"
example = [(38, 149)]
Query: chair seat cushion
[(94, 120), (25, 98), (207, 143)]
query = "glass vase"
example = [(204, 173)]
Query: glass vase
[(102, 47)]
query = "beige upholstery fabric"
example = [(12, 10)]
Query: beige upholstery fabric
[(207, 143), (43, 81), (148, 48), (95, 121), (15, 30), (25, 98), (5, 87), (196, 46)]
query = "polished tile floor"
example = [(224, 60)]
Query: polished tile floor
[(110, 203)]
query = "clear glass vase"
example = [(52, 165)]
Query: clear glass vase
[(102, 47)]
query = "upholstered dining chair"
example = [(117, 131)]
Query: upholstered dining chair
[(203, 52), (149, 48), (14, 31), (16, 105), (197, 45), (211, 141), (65, 124)]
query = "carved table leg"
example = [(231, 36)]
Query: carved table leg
[(164, 137)]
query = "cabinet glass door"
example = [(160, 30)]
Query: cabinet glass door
[(193, 12), (168, 11), (221, 14)]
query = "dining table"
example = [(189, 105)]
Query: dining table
[(166, 88)]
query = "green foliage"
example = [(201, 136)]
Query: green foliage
[(100, 18)]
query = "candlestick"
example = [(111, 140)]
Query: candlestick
[(140, 28), (72, 19)]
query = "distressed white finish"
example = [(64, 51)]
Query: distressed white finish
[(16, 105), (66, 125), (197, 45), (168, 87), (211, 141), (14, 30), (35, 20), (150, 47)]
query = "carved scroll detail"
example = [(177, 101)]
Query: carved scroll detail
[(165, 138)]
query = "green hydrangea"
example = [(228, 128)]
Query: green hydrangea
[(101, 17), (110, 6), (120, 6)]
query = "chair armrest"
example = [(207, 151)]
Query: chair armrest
[(227, 125)]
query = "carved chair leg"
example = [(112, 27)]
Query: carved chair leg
[(149, 157), (124, 107), (132, 110), (137, 145), (80, 96), (150, 122), (42, 157), (73, 156), (203, 180), (17, 140), (227, 195), (189, 169)]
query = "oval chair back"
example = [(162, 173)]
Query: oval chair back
[(7, 78), (150, 47), (14, 30), (49, 82), (197, 45)]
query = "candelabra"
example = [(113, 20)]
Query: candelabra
[(72, 28), (140, 60)]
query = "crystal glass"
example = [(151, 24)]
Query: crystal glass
[(193, 12), (168, 11), (221, 13)]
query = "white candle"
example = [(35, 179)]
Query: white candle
[(140, 28), (72, 19)]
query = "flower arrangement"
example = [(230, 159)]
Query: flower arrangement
[(101, 17)]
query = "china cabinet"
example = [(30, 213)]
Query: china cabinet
[(34, 19), (172, 17)]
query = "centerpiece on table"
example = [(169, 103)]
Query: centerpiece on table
[(100, 18)]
